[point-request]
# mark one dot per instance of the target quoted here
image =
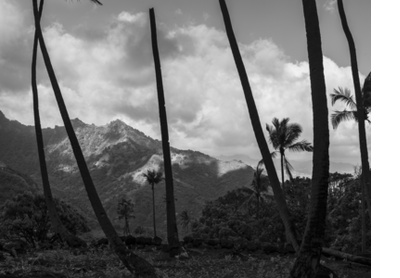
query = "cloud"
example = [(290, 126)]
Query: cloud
[(11, 21), (330, 5), (112, 76), (15, 40)]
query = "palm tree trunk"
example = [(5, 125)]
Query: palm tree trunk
[(127, 229), (154, 213), (258, 207), (258, 131), (132, 262), (366, 171), (307, 263), (283, 173), (55, 221), (172, 229), (363, 222)]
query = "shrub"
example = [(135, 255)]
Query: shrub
[(26, 216)]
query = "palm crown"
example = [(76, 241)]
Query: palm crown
[(283, 136), (153, 177), (344, 95)]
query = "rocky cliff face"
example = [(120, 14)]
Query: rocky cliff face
[(117, 156)]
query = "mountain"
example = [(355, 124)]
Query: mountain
[(117, 156)]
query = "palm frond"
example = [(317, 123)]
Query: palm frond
[(95, 2), (276, 123), (274, 154), (366, 94), (153, 176), (261, 162), (273, 133), (293, 132), (343, 95), (302, 146), (285, 121), (282, 131), (339, 116)]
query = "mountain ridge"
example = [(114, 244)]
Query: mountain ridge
[(117, 155)]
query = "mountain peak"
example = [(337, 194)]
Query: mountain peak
[(77, 123), (117, 123)]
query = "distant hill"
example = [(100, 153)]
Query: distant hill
[(117, 156), (13, 183)]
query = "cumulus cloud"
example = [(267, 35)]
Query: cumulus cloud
[(112, 76)]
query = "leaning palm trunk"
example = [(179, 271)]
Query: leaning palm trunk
[(132, 262), (366, 171), (307, 264), (172, 229), (55, 221), (255, 121)]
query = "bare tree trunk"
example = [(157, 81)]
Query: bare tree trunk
[(154, 213), (258, 131), (363, 224), (132, 262), (172, 229), (55, 221), (346, 256), (366, 171), (307, 263)]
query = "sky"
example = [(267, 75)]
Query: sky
[(103, 60)]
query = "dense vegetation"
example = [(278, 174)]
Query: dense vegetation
[(26, 217), (231, 217)]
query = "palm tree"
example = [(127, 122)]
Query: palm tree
[(257, 128), (185, 219), (153, 177), (366, 171), (172, 229), (344, 95), (258, 187), (125, 211), (307, 263), (283, 136), (132, 262)]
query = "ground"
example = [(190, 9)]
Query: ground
[(102, 263)]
